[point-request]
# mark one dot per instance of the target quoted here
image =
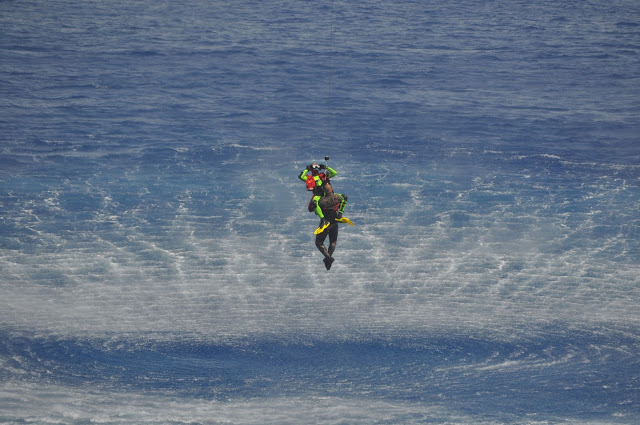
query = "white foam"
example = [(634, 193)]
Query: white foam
[(412, 263), (43, 403)]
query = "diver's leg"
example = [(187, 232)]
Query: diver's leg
[(333, 239), (320, 243)]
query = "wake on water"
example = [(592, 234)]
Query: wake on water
[(202, 303), (157, 258)]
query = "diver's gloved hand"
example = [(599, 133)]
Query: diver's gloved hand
[(323, 222), (339, 215), (322, 167)]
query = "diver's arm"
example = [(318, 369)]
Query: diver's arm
[(316, 206), (343, 203), (303, 174)]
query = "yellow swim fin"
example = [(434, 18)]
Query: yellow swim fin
[(321, 229), (345, 220)]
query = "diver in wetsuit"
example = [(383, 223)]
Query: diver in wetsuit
[(329, 206), (315, 180)]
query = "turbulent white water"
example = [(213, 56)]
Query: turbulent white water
[(130, 253), (157, 260)]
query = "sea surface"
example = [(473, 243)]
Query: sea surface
[(157, 260)]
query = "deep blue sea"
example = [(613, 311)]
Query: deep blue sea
[(157, 259)]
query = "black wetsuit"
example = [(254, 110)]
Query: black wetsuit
[(329, 204)]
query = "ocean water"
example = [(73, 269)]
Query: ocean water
[(157, 261)]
